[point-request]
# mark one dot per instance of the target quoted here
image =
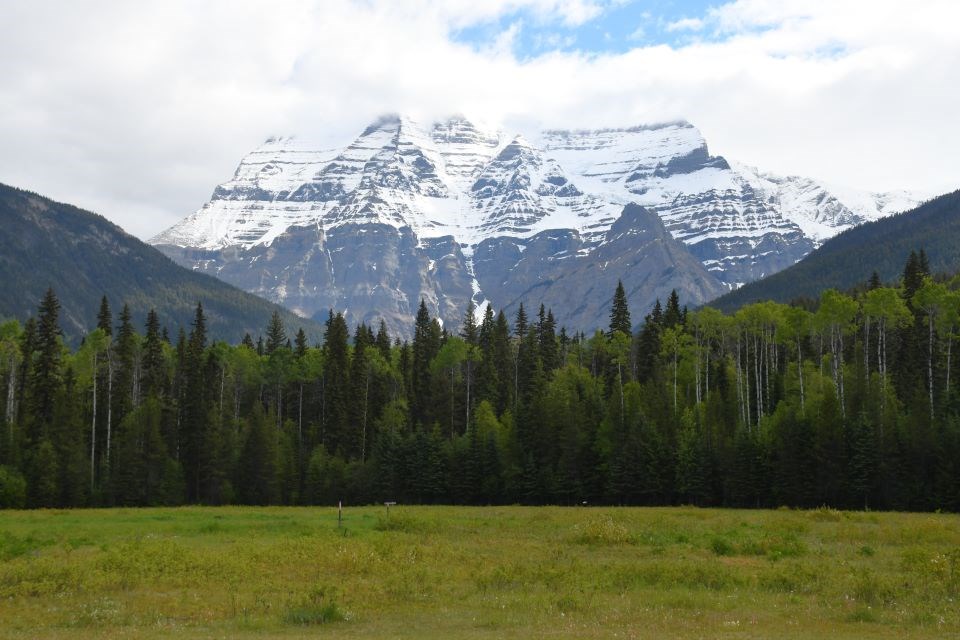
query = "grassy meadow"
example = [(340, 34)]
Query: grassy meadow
[(494, 572)]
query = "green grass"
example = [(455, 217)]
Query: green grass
[(510, 572)]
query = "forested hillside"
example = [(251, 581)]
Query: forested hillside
[(83, 256), (854, 405), (853, 256)]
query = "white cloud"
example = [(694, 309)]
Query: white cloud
[(138, 110), (685, 24)]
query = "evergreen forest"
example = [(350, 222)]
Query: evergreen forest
[(851, 402)]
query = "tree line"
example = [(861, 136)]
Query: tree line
[(850, 402)]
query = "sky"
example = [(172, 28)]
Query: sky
[(137, 110)]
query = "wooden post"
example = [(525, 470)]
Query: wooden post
[(339, 514)]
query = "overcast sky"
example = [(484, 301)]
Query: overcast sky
[(136, 110)]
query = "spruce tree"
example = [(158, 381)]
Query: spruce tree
[(276, 336), (126, 392), (470, 332), (45, 382), (335, 416), (620, 312), (520, 324), (673, 316), (503, 361), (913, 274), (549, 354), (383, 341), (649, 348), (67, 438), (104, 317), (194, 423), (154, 362), (300, 343), (356, 443), (257, 480), (426, 344)]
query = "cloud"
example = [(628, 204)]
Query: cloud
[(138, 110), (685, 24)]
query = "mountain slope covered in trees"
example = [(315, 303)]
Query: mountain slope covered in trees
[(851, 258), (83, 256)]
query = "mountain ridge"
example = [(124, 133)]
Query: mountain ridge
[(492, 193), (83, 256), (849, 259)]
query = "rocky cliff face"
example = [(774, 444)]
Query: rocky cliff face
[(451, 212)]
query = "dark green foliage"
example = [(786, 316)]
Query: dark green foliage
[(276, 335), (45, 380), (426, 344), (772, 406), (105, 317), (154, 365), (334, 411), (13, 488), (620, 312), (258, 481)]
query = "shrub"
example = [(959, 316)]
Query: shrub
[(318, 607), (721, 546), (602, 531), (13, 489)]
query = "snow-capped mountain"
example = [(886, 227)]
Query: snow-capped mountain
[(451, 212)]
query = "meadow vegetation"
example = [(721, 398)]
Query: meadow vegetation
[(477, 572)]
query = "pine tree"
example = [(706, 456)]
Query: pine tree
[(336, 384), (673, 316), (194, 422), (67, 438), (300, 343), (383, 341), (257, 481), (126, 394), (913, 275), (520, 324), (355, 444), (548, 342), (426, 344), (470, 332), (104, 317), (649, 347), (154, 361), (276, 336), (656, 315), (620, 312), (46, 380), (503, 361)]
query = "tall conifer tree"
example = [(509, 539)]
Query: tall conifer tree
[(620, 312)]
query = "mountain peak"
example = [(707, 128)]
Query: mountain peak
[(438, 200)]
